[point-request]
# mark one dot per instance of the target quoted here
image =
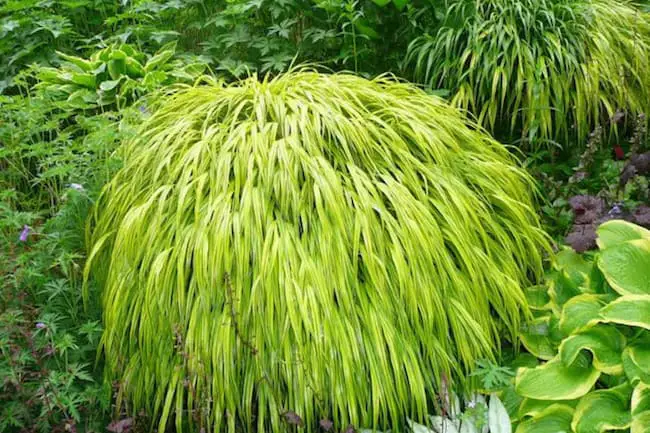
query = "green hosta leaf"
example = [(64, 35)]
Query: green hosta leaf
[(538, 298), (604, 410), (581, 312), (640, 423), (631, 310), (109, 85), (616, 232), (116, 68), (636, 363), (562, 288), (536, 336), (556, 381), (83, 64), (532, 407), (498, 419), (577, 268), (605, 344), (133, 68), (158, 60), (641, 399), (626, 267), (554, 419), (85, 80)]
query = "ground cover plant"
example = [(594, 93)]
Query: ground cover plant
[(591, 327), (314, 256)]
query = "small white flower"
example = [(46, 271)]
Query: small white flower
[(76, 187)]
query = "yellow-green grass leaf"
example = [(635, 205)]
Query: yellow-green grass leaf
[(604, 410), (626, 267), (605, 343), (630, 310), (556, 381)]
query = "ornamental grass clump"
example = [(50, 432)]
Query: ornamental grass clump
[(311, 246), (550, 70)]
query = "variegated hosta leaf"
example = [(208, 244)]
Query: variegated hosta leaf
[(630, 310), (626, 266), (582, 311), (554, 419), (562, 288), (536, 337), (577, 268), (557, 381), (636, 362), (616, 232), (641, 399), (641, 423), (531, 407), (604, 410), (538, 298), (606, 343), (641, 409)]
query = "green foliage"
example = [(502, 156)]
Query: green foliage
[(550, 70), (319, 245), (597, 379), (48, 342)]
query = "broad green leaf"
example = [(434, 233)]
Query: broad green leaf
[(605, 343), (640, 423), (109, 85), (636, 363), (554, 419), (562, 288), (574, 265), (556, 381), (641, 399), (604, 410), (616, 232), (631, 310), (538, 298), (381, 3), (536, 336), (532, 407), (581, 312), (626, 267), (158, 60), (498, 419), (400, 4)]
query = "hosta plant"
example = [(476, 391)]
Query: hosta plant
[(116, 75), (308, 246), (592, 329), (545, 69)]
